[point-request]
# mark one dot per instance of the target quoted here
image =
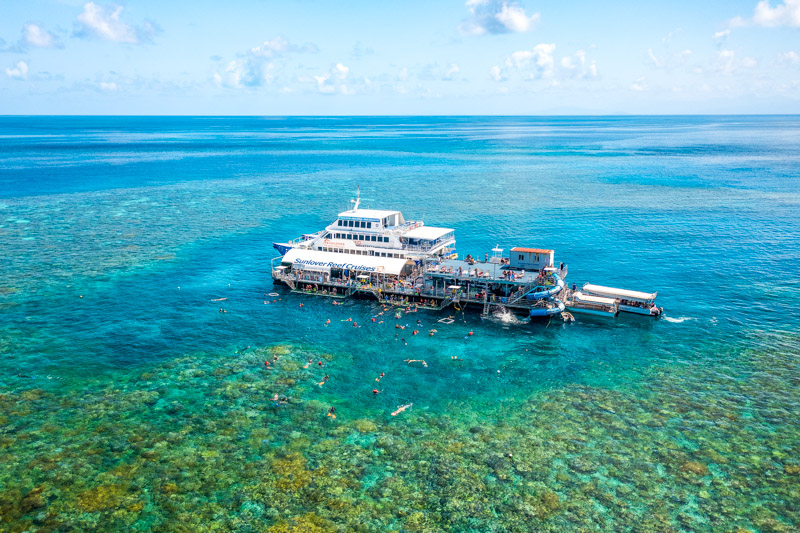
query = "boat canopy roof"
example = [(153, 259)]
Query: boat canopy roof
[(427, 233), (611, 292), (317, 261), (594, 299), (374, 214)]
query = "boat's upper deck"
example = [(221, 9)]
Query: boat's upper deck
[(373, 215), (493, 272)]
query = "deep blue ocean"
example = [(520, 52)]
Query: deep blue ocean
[(130, 402)]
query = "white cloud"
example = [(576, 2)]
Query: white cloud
[(515, 19), (497, 16), (451, 72), (96, 21), (721, 34), (108, 86), (19, 71), (341, 71), (785, 13), (727, 63), (668, 37), (335, 81), (322, 84), (35, 35), (653, 57), (790, 57), (496, 74), (258, 66), (639, 85), (540, 63), (279, 46)]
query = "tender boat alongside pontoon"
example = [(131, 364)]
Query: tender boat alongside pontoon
[(578, 302), (641, 303)]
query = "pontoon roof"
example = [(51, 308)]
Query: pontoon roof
[(367, 264), (611, 292), (427, 233), (367, 213), (531, 250)]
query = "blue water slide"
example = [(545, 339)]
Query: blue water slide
[(548, 311), (547, 293)]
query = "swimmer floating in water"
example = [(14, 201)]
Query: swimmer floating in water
[(332, 412), (380, 377), (324, 380), (401, 408), (308, 363), (409, 361)]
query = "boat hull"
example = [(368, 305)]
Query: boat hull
[(637, 310), (598, 312)]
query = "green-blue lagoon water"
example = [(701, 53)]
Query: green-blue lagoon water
[(130, 402)]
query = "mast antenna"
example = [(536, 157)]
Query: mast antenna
[(357, 201)]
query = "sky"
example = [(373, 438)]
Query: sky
[(410, 57)]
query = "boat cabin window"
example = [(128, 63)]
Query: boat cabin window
[(369, 224), (521, 257)]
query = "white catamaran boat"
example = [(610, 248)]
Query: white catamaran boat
[(642, 303), (377, 233)]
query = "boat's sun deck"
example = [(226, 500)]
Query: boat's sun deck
[(493, 272)]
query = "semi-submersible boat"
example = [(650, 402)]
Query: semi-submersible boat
[(372, 253)]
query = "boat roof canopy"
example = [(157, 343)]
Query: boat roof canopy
[(595, 299), (316, 260), (427, 233), (367, 213), (611, 292)]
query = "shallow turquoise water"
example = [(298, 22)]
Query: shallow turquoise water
[(130, 402)]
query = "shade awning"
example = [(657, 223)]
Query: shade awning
[(593, 299), (623, 294), (427, 233)]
